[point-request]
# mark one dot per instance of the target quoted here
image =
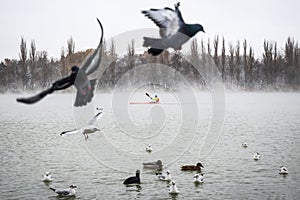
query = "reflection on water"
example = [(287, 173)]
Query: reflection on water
[(31, 145)]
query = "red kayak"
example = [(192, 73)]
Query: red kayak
[(151, 103)]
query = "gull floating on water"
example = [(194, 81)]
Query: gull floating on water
[(153, 165), (134, 179), (283, 170), (47, 177), (89, 128), (198, 178), (173, 188), (256, 156), (65, 192), (245, 144), (149, 148), (166, 177)]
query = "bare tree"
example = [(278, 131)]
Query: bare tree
[(268, 61), (23, 59), (237, 62), (245, 62), (32, 56), (223, 60), (216, 46), (231, 63), (194, 57), (63, 62), (71, 46)]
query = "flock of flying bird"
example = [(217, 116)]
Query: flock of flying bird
[(174, 32)]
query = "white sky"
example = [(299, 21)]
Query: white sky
[(52, 22)]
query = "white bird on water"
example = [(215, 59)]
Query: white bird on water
[(173, 188), (256, 156), (47, 177), (283, 170), (65, 192), (245, 144), (198, 178), (149, 148), (89, 128), (166, 177)]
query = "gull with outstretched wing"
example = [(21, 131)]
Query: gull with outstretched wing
[(89, 128)]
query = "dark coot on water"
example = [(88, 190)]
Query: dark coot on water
[(134, 179)]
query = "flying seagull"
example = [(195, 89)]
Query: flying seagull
[(65, 192), (82, 78), (89, 128), (174, 32)]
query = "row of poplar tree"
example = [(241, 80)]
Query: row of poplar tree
[(276, 69)]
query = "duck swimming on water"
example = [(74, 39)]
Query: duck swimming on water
[(154, 165), (198, 167)]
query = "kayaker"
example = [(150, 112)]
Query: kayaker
[(155, 99)]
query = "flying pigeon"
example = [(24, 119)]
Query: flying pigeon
[(174, 32), (82, 78)]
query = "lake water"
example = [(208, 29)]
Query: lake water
[(180, 134)]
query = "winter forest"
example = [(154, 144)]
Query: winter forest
[(278, 68)]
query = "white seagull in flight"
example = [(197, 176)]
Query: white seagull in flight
[(89, 128)]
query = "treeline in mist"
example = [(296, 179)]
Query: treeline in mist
[(277, 69)]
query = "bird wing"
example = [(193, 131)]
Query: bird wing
[(85, 92), (92, 62), (168, 20), (63, 192), (96, 118), (70, 132), (162, 177), (37, 97)]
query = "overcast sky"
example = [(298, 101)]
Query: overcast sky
[(52, 22)]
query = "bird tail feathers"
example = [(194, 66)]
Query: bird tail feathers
[(155, 44), (152, 42)]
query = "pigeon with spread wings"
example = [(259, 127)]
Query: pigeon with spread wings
[(83, 78), (174, 32)]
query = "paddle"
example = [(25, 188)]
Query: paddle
[(148, 95)]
